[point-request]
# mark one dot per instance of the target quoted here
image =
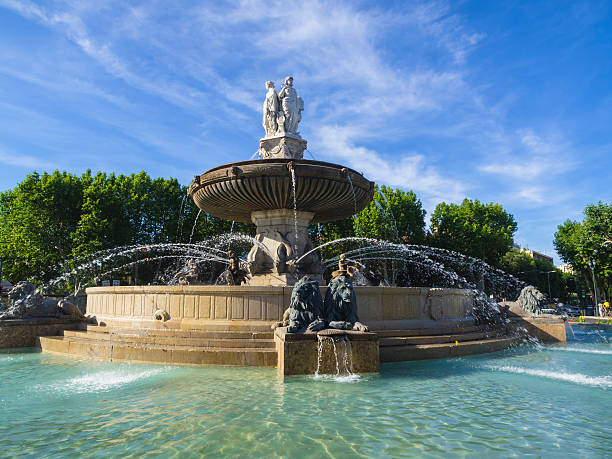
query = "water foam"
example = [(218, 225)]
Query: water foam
[(103, 380), (586, 351), (337, 378), (577, 378)]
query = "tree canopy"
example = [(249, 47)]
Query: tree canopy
[(539, 273), (49, 219), (478, 230), (579, 243), (393, 215)]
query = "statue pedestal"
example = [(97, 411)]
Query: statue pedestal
[(283, 238), (282, 146), (298, 353)]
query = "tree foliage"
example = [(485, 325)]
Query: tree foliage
[(49, 220), (393, 215), (538, 273), (38, 219), (478, 230), (579, 243)]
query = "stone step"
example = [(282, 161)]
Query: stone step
[(157, 353), (172, 332), (216, 325), (436, 339), (429, 331), (175, 340), (444, 350)]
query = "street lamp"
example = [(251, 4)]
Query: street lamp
[(592, 266), (548, 279)]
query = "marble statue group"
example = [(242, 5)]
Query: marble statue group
[(282, 111)]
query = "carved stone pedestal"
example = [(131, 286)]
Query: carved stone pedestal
[(298, 353), (282, 146), (282, 237)]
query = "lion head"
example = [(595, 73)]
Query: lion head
[(531, 300), (341, 305)]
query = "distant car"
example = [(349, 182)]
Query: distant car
[(571, 310)]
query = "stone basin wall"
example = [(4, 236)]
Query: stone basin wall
[(16, 333), (197, 306)]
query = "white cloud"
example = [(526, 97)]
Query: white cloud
[(29, 162), (211, 59), (408, 171), (533, 160)]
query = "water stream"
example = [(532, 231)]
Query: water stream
[(295, 223), (194, 225), (342, 350)]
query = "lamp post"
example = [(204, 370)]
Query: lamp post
[(596, 306), (548, 279)]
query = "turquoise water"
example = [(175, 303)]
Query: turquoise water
[(531, 401)]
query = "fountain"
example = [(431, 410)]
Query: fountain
[(244, 319)]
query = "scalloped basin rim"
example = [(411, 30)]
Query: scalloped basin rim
[(284, 161), (233, 191)]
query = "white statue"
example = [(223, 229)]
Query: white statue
[(270, 110), (292, 107)]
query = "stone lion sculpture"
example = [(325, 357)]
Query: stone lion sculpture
[(305, 312), (25, 301), (340, 305), (161, 315), (531, 300)]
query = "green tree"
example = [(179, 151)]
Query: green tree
[(37, 221), (538, 273), (579, 243), (128, 210), (478, 230), (394, 215)]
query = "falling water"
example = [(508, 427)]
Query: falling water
[(568, 326), (295, 224), (390, 213), (194, 225), (179, 229), (319, 354), (343, 356), (348, 176)]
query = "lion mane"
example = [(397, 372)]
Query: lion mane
[(531, 300), (306, 308), (340, 307)]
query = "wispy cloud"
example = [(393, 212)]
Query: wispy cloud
[(30, 162), (533, 166), (396, 91), (409, 170)]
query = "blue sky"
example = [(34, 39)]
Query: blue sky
[(509, 102)]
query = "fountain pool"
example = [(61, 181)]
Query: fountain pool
[(531, 400)]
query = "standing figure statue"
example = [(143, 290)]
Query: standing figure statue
[(292, 107), (270, 110)]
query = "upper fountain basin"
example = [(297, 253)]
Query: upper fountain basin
[(233, 191)]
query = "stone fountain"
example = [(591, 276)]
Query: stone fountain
[(282, 194)]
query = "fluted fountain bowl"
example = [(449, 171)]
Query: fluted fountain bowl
[(233, 191)]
